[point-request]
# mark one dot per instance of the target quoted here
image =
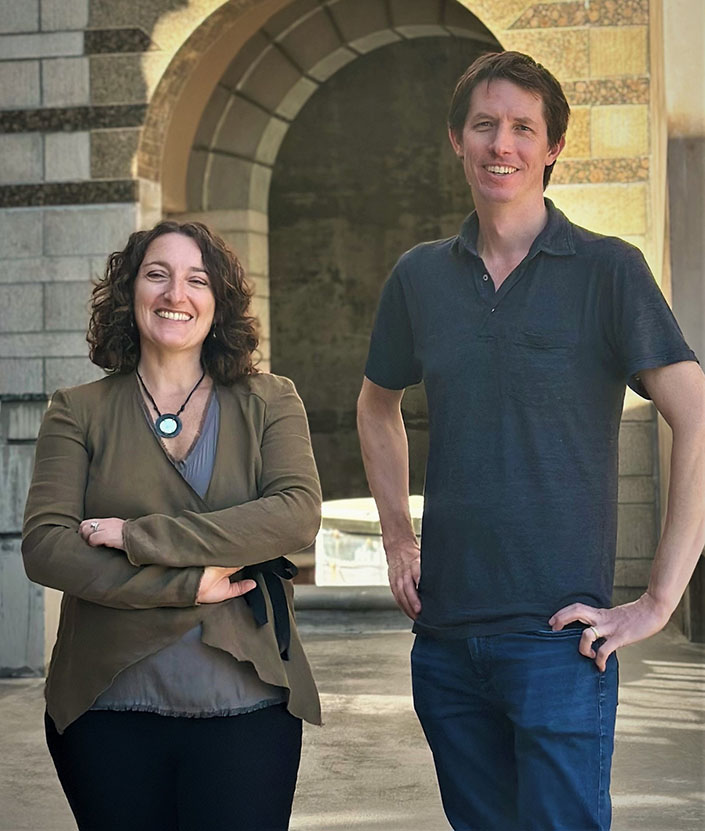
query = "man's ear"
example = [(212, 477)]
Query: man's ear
[(556, 151), (455, 144)]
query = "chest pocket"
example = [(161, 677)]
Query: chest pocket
[(543, 368)]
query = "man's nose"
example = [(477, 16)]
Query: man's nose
[(503, 140)]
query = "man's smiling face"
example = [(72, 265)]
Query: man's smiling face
[(504, 144)]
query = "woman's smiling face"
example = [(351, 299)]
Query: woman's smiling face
[(173, 300)]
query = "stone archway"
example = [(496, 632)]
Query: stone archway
[(264, 88)]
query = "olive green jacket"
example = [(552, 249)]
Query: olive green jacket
[(97, 457)]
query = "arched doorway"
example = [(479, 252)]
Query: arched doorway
[(364, 173)]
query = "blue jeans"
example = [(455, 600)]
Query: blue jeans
[(521, 727)]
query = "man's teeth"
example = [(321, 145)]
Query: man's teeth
[(500, 169), (173, 315)]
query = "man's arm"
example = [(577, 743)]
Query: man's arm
[(385, 453), (678, 391)]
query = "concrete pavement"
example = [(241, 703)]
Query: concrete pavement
[(368, 768)]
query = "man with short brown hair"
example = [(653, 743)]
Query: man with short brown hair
[(525, 330)]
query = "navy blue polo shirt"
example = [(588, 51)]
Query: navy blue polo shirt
[(525, 387)]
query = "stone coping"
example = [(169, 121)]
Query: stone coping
[(360, 516)]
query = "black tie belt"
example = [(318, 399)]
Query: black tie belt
[(273, 572)]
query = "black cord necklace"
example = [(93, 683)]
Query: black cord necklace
[(169, 425)]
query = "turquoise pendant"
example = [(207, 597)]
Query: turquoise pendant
[(168, 426)]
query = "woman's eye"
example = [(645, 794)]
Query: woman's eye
[(156, 275)]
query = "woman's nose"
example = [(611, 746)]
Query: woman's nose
[(174, 291)]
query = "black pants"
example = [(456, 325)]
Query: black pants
[(129, 771)]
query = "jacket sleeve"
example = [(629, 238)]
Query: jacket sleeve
[(54, 553), (282, 520)]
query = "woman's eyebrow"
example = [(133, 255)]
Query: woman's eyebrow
[(166, 265)]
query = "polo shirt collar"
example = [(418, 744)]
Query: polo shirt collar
[(556, 237)]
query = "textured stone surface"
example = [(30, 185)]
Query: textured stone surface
[(620, 131), (310, 41), (21, 308), (20, 233), (415, 11), (19, 84), (39, 344), (21, 375), (251, 249), (580, 13), (375, 40), (356, 20), (69, 193), (595, 171), (578, 137), (630, 43), (20, 420), (66, 306), (19, 16), (295, 98), (637, 533), (331, 63), (65, 82), (289, 16), (564, 53), (633, 572), (117, 79), (240, 128), (270, 79), (69, 372), (636, 448), (607, 209), (71, 118), (270, 140), (67, 156), (110, 41), (87, 230), (21, 158), (113, 152), (56, 44), (21, 615), (607, 91), (16, 462), (64, 14), (229, 182), (637, 489), (216, 106)]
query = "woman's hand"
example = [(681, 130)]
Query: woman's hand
[(215, 585), (103, 531)]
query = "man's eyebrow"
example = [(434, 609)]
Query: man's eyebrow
[(166, 265)]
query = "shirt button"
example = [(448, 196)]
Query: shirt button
[(492, 309), (485, 277)]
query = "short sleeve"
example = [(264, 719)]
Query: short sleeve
[(646, 334), (391, 362)]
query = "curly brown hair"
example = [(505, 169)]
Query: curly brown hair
[(112, 334)]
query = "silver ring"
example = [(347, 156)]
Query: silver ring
[(595, 633), (94, 526)]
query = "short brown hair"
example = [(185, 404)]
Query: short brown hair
[(112, 334), (523, 71)]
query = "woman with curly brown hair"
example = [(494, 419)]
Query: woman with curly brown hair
[(164, 500)]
